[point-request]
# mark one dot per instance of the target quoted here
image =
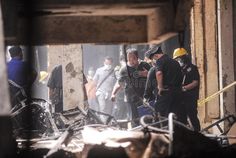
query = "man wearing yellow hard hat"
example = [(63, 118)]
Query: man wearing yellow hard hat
[(190, 85)]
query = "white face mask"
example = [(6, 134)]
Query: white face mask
[(107, 67), (91, 73), (154, 61), (181, 63)]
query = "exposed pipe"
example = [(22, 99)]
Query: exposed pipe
[(219, 31), (171, 132)]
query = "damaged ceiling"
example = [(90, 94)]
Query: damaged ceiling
[(92, 21)]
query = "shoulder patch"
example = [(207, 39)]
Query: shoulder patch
[(189, 69)]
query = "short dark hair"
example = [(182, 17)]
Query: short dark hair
[(109, 58), (132, 51), (15, 51), (152, 51)]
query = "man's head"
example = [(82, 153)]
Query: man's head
[(108, 62), (132, 57), (16, 52), (90, 73), (154, 52), (179, 52), (181, 55)]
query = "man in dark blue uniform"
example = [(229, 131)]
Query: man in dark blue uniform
[(20, 75), (169, 79), (190, 85), (16, 67)]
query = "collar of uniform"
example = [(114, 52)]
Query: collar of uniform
[(16, 59)]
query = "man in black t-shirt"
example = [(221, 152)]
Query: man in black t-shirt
[(169, 79), (133, 79), (56, 89), (190, 85), (150, 92)]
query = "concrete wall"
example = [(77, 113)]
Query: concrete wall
[(212, 46), (70, 57), (226, 55), (234, 40), (4, 96), (204, 50)]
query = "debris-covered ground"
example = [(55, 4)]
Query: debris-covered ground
[(79, 134)]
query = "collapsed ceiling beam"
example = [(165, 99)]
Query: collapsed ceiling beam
[(94, 24)]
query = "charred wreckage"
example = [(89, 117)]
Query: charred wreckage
[(79, 133)]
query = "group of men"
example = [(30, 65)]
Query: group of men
[(21, 76), (171, 83), (177, 82)]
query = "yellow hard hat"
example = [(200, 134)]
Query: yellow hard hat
[(43, 75), (178, 52)]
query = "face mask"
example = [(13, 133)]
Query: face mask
[(107, 67), (154, 61), (90, 73), (181, 63)]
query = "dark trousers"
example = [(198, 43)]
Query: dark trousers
[(171, 101), (191, 110), (134, 109), (58, 107)]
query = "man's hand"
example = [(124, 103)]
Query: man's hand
[(161, 90), (143, 73), (113, 97)]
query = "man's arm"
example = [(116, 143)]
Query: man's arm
[(146, 68), (143, 73), (159, 78), (91, 86), (148, 86), (191, 85), (116, 89), (195, 82)]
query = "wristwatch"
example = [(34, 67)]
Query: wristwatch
[(184, 89)]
